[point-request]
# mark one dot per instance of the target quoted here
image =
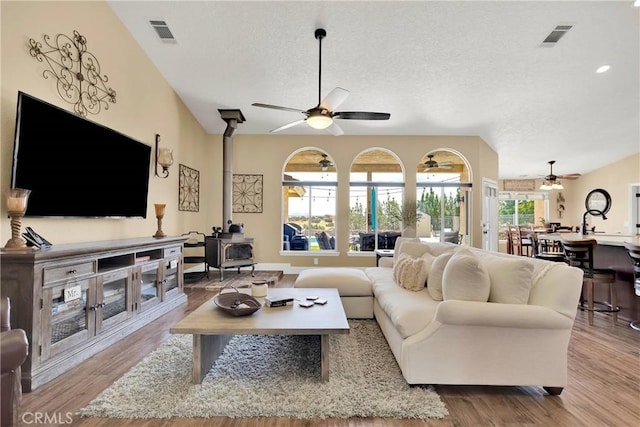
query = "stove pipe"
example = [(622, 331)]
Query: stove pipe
[(232, 117)]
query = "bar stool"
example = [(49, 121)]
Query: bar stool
[(579, 253), (634, 253)]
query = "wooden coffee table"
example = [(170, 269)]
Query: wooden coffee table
[(212, 328)]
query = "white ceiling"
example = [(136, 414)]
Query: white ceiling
[(439, 68)]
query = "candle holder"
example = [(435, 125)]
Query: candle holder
[(16, 207), (159, 214)]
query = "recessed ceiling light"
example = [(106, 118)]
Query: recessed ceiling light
[(604, 68), (636, 3)]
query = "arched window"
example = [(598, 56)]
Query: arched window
[(309, 184), (443, 181), (376, 192)]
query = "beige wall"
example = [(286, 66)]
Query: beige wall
[(267, 154), (145, 105), (616, 178)]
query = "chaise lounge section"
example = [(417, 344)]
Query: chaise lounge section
[(466, 316)]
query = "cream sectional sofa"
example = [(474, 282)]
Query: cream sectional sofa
[(484, 318)]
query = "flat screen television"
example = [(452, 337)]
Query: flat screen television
[(75, 167)]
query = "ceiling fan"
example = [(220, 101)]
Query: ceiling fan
[(551, 181), (322, 116), (325, 163), (432, 164)]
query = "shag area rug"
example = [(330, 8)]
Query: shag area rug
[(272, 376)]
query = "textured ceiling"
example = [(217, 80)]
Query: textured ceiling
[(439, 68)]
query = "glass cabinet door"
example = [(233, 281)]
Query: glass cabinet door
[(149, 290), (66, 317), (114, 302), (171, 285)]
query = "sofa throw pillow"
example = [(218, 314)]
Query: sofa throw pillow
[(413, 249), (511, 280), (465, 278), (398, 266), (398, 246), (413, 274), (427, 259), (434, 280)]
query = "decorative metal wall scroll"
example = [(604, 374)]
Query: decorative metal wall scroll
[(76, 71), (560, 204), (247, 193), (189, 189)]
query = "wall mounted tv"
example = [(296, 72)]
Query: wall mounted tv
[(75, 167)]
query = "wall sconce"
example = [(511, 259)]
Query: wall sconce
[(164, 158), (458, 200), (16, 207)]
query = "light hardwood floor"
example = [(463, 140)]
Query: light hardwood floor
[(603, 387)]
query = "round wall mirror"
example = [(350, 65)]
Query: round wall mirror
[(598, 199)]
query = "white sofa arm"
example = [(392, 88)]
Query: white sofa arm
[(470, 313), (385, 262)]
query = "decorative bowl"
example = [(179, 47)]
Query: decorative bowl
[(236, 303)]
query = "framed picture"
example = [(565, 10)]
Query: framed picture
[(247, 193), (519, 185), (188, 189)]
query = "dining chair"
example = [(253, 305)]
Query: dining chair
[(525, 232), (509, 241), (514, 237), (540, 251)]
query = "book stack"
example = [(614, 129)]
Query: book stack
[(277, 301)]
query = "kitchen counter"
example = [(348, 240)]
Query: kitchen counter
[(601, 238)]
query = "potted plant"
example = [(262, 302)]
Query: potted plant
[(544, 222), (409, 216)]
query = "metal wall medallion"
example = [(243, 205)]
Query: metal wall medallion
[(188, 189), (76, 71), (598, 199), (247, 193)]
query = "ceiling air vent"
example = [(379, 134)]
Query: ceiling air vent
[(163, 31), (555, 35)]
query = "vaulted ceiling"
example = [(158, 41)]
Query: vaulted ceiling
[(438, 67)]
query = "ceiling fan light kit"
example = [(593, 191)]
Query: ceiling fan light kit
[(325, 163), (432, 164), (322, 115), (552, 182), (551, 186), (318, 120)]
